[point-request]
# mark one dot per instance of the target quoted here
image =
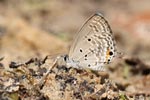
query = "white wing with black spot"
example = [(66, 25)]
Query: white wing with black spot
[(94, 44)]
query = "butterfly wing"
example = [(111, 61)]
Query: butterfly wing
[(94, 44)]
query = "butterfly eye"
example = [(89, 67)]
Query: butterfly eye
[(65, 57)]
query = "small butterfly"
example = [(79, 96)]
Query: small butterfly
[(93, 46)]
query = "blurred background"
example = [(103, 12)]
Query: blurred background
[(36, 28)]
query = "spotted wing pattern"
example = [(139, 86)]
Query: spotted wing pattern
[(94, 44)]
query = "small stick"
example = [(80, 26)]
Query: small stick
[(43, 80)]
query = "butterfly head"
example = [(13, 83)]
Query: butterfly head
[(62, 60)]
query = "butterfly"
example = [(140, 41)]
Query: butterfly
[(93, 47)]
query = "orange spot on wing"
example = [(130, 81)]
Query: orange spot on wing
[(107, 54)]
